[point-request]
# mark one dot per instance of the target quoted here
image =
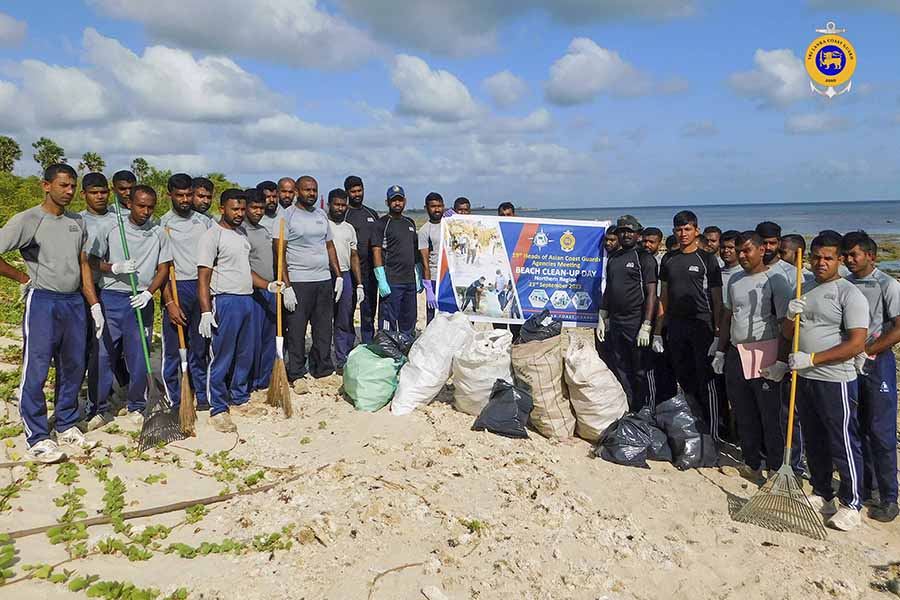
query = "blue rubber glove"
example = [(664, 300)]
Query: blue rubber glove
[(383, 288), (419, 287), (430, 300)]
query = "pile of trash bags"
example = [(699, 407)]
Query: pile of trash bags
[(483, 361)]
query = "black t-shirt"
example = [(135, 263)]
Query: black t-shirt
[(472, 290), (363, 219), (689, 280), (399, 243), (627, 274)]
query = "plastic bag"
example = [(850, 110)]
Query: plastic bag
[(430, 361), (597, 397), (370, 380), (626, 442), (659, 443), (483, 361), (391, 344), (539, 327), (538, 367), (506, 413), (690, 448)]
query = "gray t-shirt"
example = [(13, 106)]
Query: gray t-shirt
[(227, 253), (97, 225), (184, 233), (50, 245), (148, 245), (271, 223), (757, 302), (261, 252), (831, 309), (726, 276), (305, 234), (430, 239), (882, 292), (344, 236)]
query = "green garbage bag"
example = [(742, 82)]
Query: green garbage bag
[(370, 380)]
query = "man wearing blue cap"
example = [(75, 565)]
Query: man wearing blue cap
[(394, 251)]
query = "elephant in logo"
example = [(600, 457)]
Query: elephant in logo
[(829, 60)]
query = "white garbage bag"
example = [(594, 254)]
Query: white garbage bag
[(484, 360), (595, 393)]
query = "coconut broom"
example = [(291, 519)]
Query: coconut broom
[(279, 394), (187, 412)]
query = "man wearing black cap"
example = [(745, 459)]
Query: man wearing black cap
[(395, 248), (363, 220), (629, 305)]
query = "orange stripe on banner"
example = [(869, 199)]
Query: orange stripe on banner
[(522, 247)]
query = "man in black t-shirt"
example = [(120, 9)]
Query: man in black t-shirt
[(363, 219), (395, 248), (472, 293), (629, 305), (691, 297)]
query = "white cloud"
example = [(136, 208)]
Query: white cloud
[(816, 123), (779, 78), (296, 32), (12, 32), (289, 131), (436, 94), (847, 5), (587, 70), (699, 129), (505, 88)]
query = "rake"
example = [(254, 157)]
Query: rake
[(279, 394), (781, 504), (187, 412)]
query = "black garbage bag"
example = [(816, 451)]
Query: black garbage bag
[(626, 442), (391, 344), (659, 443), (506, 413), (539, 327), (690, 448)]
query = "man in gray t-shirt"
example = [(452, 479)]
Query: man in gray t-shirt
[(877, 369), (430, 249), (53, 244), (834, 320), (262, 263)]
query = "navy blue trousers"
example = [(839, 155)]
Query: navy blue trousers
[(831, 437), (398, 309), (367, 308), (264, 326), (878, 426), (196, 347), (122, 337), (630, 364), (757, 409), (230, 352), (53, 329), (344, 331)]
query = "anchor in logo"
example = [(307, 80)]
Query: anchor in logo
[(830, 62)]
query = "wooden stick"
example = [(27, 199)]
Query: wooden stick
[(394, 570)]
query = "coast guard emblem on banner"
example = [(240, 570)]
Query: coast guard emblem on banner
[(567, 241), (830, 62)]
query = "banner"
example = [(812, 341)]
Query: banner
[(506, 269)]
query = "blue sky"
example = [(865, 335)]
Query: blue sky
[(543, 103)]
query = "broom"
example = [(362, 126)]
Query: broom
[(279, 394), (187, 412), (160, 422), (781, 504)]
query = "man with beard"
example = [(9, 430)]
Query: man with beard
[(287, 192), (652, 239), (203, 189), (430, 248), (123, 182), (315, 283), (345, 246), (787, 251), (267, 191), (184, 227), (225, 287), (363, 220), (713, 237), (394, 252), (629, 308), (611, 240)]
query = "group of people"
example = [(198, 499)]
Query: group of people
[(714, 314)]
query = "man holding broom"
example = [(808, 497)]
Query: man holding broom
[(184, 226), (261, 262)]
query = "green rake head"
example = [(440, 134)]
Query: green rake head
[(161, 423), (781, 505)]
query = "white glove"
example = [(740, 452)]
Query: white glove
[(338, 288), (800, 360), (207, 322), (718, 363), (289, 298), (714, 347), (99, 321), (657, 345), (141, 300), (275, 286), (796, 307), (24, 288), (124, 267), (775, 372), (859, 361), (601, 325), (643, 339), (360, 294)]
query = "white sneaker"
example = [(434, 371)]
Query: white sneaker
[(136, 418), (845, 519), (222, 423), (46, 451), (74, 437), (824, 507), (98, 421)]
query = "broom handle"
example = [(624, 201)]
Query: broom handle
[(181, 344), (133, 282), (280, 275), (796, 347)]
